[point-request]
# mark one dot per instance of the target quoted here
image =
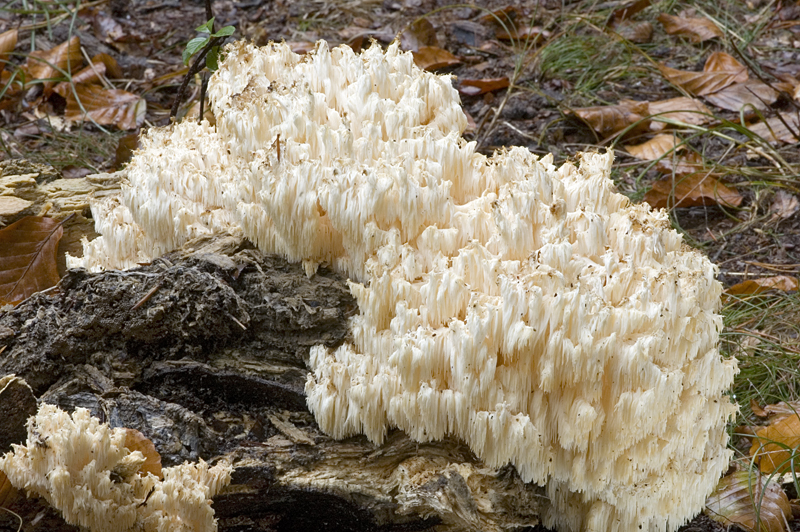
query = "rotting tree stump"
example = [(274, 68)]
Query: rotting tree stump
[(204, 351)]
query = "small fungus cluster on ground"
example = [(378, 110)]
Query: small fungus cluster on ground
[(83, 468), (527, 309)]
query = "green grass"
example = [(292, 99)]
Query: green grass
[(763, 332)]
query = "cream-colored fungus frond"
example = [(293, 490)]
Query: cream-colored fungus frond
[(82, 468), (527, 309)]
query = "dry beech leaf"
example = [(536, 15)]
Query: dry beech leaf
[(610, 119), (136, 441), (106, 107), (420, 33), (774, 129), (691, 163), (474, 87), (690, 191), (777, 411), (757, 410), (786, 283), (695, 29), (776, 444), (783, 206), (28, 257), (751, 501), (64, 57), (636, 32), (8, 493), (753, 94), (526, 34), (654, 148), (89, 74), (113, 70), (125, 148), (434, 58), (686, 110), (720, 70), (502, 17), (8, 41), (624, 13)]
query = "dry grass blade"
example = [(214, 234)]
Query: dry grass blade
[(106, 107), (750, 501), (695, 29), (654, 148), (8, 41), (28, 257)]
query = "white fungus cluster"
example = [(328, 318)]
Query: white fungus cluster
[(82, 468), (527, 309)]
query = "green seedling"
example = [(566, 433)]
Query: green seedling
[(201, 41)]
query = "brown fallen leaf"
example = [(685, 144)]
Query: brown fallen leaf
[(49, 65), (8, 41), (420, 33), (89, 74), (783, 206), (75, 172), (695, 29), (28, 257), (113, 70), (685, 110), (777, 411), (752, 94), (775, 129), (776, 444), (526, 34), (749, 500), (763, 284), (624, 13), (434, 58), (689, 191), (636, 32), (655, 148), (474, 87), (720, 70), (136, 441), (611, 119), (8, 493), (106, 106), (125, 148), (504, 17)]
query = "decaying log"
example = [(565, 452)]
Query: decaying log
[(204, 353)]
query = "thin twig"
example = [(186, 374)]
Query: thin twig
[(198, 65), (148, 295)]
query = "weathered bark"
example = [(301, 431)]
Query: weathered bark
[(204, 353)]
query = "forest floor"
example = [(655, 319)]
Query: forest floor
[(697, 99)]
